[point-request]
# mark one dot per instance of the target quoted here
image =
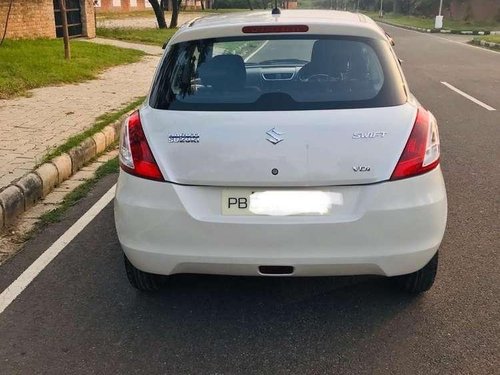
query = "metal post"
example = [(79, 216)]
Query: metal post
[(440, 7), (381, 12)]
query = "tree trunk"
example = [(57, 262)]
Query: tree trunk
[(160, 16), (67, 50), (175, 13), (250, 4), (202, 5)]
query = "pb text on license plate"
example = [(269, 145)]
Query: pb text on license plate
[(244, 202), (236, 202)]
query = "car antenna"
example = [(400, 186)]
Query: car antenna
[(276, 11)]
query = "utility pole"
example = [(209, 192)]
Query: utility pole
[(64, 17), (381, 12)]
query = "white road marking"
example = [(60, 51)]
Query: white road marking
[(25, 279), (257, 51), (465, 44), (471, 98)]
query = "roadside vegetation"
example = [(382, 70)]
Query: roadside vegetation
[(152, 36), (101, 122), (490, 38), (428, 22), (28, 64)]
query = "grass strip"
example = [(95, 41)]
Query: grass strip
[(29, 64), (150, 13), (101, 122), (111, 166), (490, 38), (428, 23), (151, 35)]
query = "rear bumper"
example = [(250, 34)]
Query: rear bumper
[(390, 228)]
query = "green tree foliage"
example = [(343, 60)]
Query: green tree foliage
[(414, 7)]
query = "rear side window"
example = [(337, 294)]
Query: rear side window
[(278, 73)]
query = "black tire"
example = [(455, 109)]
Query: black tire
[(420, 281), (143, 281)]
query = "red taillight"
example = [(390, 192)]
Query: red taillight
[(135, 155), (421, 153), (276, 29)]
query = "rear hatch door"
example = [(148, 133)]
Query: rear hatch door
[(278, 148)]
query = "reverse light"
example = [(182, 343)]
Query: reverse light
[(135, 155), (422, 151)]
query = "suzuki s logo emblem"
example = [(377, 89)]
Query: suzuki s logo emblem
[(274, 136)]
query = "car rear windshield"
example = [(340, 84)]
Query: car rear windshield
[(278, 73)]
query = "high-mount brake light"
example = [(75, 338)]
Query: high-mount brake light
[(422, 151), (276, 29), (136, 157)]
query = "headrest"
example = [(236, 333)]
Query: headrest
[(322, 50), (325, 50), (226, 72)]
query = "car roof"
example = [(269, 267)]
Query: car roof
[(243, 18), (329, 22)]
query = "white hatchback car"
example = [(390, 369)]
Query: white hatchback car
[(281, 146)]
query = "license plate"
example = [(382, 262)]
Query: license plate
[(244, 202), (236, 202)]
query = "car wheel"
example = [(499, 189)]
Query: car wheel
[(144, 281), (421, 280)]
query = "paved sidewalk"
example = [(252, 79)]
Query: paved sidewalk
[(149, 49), (30, 127)]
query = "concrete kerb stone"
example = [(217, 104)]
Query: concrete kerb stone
[(12, 202), (484, 43), (25, 192), (100, 142), (50, 177), (31, 186), (110, 135), (64, 166), (2, 217), (82, 153), (442, 31), (117, 125)]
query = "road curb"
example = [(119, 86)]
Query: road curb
[(12, 202), (438, 31), (484, 43), (23, 193)]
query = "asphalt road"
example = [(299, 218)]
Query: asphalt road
[(80, 316)]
